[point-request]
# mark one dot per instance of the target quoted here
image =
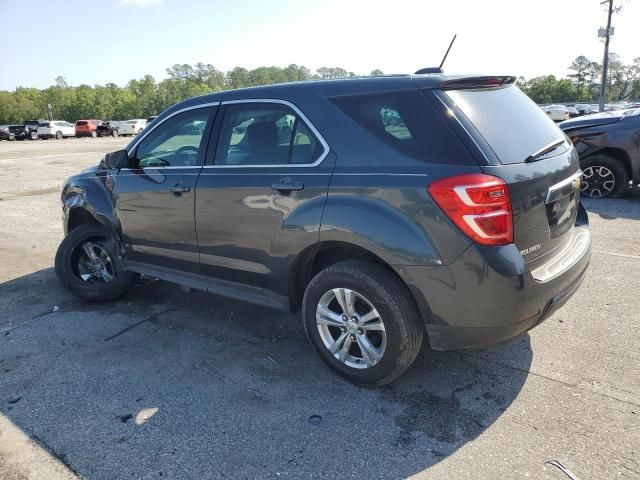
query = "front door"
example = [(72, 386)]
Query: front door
[(155, 197), (261, 201)]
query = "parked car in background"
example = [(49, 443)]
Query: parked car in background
[(609, 147), (87, 128), (113, 123), (573, 111), (20, 132), (557, 113), (299, 205), (585, 108), (151, 119), (5, 133), (31, 128), (132, 127), (106, 130), (57, 129)]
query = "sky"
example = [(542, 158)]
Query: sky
[(96, 42)]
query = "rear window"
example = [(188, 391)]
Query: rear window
[(513, 125), (81, 124), (408, 122)]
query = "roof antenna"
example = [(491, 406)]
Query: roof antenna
[(438, 69)]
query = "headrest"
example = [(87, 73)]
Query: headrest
[(262, 136)]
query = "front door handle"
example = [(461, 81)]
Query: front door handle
[(178, 189), (286, 185)]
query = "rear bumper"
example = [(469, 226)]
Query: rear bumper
[(489, 296)]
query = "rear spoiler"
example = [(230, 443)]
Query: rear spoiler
[(464, 82)]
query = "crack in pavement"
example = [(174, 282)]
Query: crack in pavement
[(568, 384), (146, 319)]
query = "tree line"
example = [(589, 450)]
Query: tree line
[(144, 97), (583, 83)]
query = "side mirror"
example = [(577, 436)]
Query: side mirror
[(117, 159)]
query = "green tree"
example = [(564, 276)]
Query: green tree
[(332, 72), (580, 66), (548, 89)]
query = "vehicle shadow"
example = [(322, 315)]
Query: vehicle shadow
[(627, 206), (189, 385)]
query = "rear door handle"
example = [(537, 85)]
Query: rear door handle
[(179, 189), (286, 185)]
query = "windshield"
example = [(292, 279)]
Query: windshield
[(513, 125)]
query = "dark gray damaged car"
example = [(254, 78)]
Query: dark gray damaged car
[(386, 209)]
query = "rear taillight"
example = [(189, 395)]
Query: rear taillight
[(477, 204)]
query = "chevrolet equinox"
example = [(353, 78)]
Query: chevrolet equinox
[(386, 210)]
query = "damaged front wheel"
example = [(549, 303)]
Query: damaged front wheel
[(85, 265)]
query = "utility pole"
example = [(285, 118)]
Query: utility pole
[(605, 61)]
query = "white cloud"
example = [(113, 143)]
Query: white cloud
[(139, 3)]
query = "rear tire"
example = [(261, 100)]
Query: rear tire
[(94, 134), (114, 133), (58, 135), (76, 272), (33, 135), (395, 329), (603, 176)]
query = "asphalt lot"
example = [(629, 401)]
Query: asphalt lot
[(169, 384)]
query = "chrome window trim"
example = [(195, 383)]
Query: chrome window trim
[(162, 168), (147, 131), (302, 116)]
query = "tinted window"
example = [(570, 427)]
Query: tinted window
[(265, 134), (176, 142), (408, 122), (513, 125)]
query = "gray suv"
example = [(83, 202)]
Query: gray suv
[(388, 210)]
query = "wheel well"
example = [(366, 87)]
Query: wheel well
[(318, 257), (617, 154), (80, 216)]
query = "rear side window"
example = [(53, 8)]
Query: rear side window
[(265, 134), (408, 122), (513, 125)]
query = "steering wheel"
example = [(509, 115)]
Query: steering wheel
[(187, 150), (158, 162), (184, 154)]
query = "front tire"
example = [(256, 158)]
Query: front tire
[(603, 176), (34, 135), (362, 322), (58, 135), (94, 134), (85, 265)]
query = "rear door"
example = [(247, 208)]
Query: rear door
[(155, 197), (529, 152), (260, 201)]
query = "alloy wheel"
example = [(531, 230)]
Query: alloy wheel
[(351, 328), (597, 181), (94, 264)]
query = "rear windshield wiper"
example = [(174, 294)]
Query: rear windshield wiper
[(546, 149)]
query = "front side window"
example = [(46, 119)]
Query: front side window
[(177, 142), (265, 134)]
